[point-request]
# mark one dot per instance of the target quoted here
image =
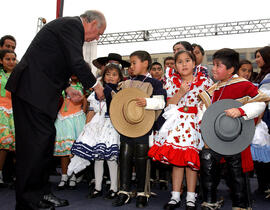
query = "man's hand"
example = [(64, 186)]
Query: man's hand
[(141, 102), (233, 112), (74, 95), (99, 91)]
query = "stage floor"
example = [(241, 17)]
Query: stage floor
[(78, 201)]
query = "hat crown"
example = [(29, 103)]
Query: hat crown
[(114, 56), (227, 128), (133, 113)]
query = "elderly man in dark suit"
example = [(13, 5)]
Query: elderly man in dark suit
[(36, 85)]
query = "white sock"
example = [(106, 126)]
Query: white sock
[(72, 181), (64, 178), (113, 168), (191, 196), (99, 169), (175, 197)]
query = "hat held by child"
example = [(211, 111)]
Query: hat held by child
[(129, 119), (223, 134)]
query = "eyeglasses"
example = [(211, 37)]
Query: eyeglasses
[(111, 64)]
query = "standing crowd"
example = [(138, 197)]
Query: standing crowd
[(136, 130)]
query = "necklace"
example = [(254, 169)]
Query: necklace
[(130, 85), (221, 91)]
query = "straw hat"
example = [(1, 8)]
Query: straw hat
[(223, 134), (129, 119)]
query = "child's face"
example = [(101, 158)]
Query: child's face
[(169, 63), (220, 71), (184, 65), (112, 76), (245, 71), (156, 71), (9, 62), (137, 66)]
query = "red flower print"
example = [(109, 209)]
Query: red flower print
[(182, 124), (188, 130), (181, 116), (189, 135), (193, 125), (184, 140), (176, 139)]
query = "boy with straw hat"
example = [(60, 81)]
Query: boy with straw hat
[(132, 111)]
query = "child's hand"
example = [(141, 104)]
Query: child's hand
[(184, 87), (233, 112), (141, 102)]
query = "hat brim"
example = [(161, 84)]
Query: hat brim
[(213, 141), (118, 120), (102, 61)]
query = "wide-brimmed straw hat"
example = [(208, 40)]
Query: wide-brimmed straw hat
[(127, 118), (223, 134), (102, 61)]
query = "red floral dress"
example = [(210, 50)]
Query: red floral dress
[(179, 140)]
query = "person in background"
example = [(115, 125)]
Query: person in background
[(261, 155), (245, 69), (36, 85), (169, 62), (7, 133), (7, 42), (198, 52), (156, 71), (69, 124)]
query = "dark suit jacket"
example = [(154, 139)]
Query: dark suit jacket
[(52, 57)]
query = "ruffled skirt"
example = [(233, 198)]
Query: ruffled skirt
[(179, 140), (7, 131), (260, 147), (68, 130)]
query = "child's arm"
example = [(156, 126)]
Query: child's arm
[(84, 104), (89, 116), (248, 111), (155, 103)]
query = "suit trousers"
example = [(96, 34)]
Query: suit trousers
[(35, 137)]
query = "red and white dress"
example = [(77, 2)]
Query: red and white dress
[(179, 140)]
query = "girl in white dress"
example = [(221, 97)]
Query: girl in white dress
[(179, 139), (99, 140)]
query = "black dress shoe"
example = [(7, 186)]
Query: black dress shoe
[(45, 205), (141, 201), (110, 195), (94, 194), (54, 201), (121, 199), (171, 206)]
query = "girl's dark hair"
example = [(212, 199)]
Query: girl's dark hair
[(111, 66), (143, 56), (265, 53), (186, 45), (187, 52), (229, 57)]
